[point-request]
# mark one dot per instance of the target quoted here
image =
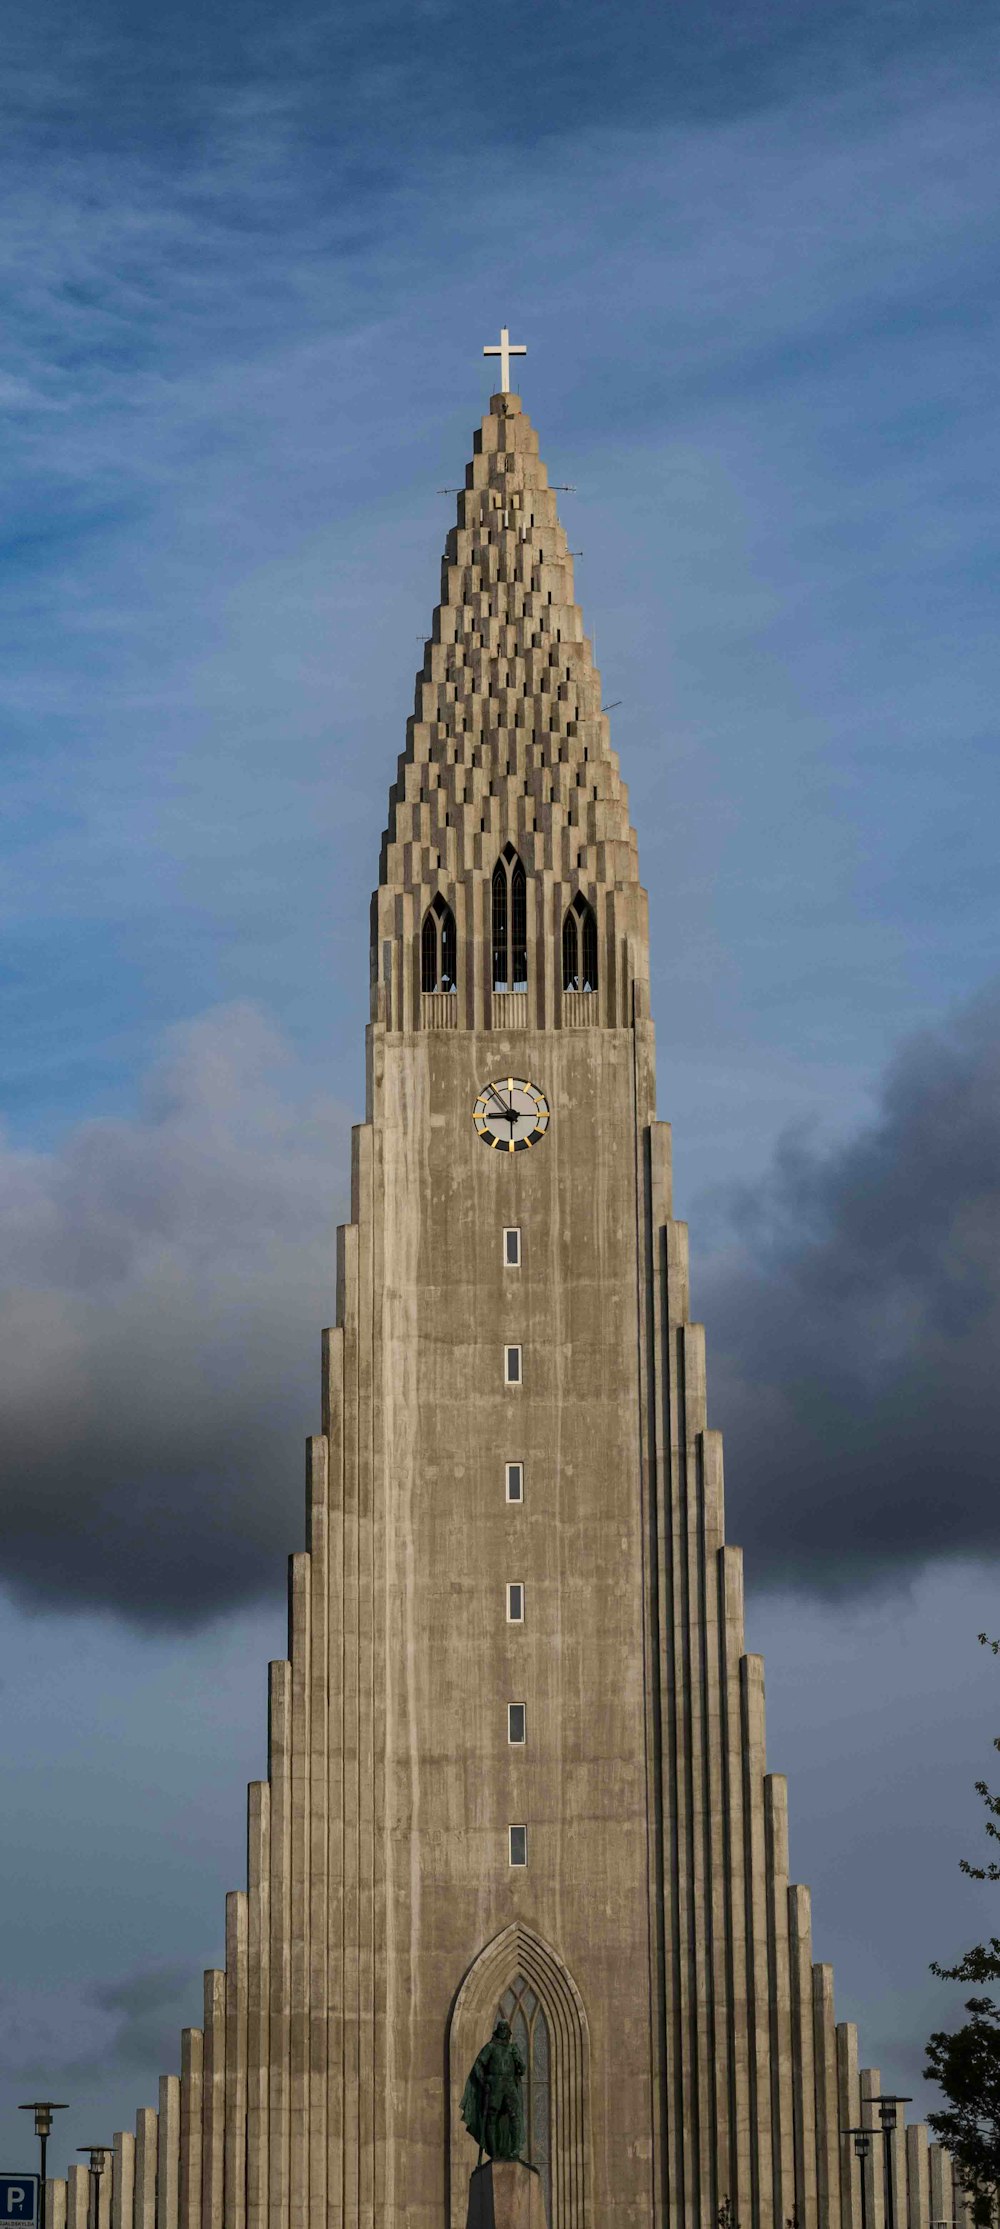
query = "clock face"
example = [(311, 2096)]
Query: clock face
[(511, 1114)]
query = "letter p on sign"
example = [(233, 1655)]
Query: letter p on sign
[(18, 2201)]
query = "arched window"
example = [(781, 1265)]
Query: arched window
[(437, 948), (510, 923), (501, 918), (530, 2031), (579, 947), (521, 1977)]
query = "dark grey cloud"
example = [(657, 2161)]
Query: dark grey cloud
[(854, 1330), (80, 2031), (166, 1279), (148, 2009)]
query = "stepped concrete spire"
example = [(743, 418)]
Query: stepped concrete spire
[(508, 743), (516, 1755)]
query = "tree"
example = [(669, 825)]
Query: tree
[(966, 2061)]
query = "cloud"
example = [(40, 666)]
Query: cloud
[(89, 2028), (148, 2008), (166, 1279), (854, 1330)]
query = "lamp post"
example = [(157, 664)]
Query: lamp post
[(98, 2159), (43, 2109), (887, 2116), (862, 2148)]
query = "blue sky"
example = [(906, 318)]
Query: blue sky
[(248, 265)]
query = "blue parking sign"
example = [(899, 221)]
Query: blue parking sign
[(19, 2201)]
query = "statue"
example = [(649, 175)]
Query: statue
[(492, 2105)]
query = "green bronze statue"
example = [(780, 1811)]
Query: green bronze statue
[(492, 2105)]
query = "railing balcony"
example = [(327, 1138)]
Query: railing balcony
[(510, 1009), (439, 1010)]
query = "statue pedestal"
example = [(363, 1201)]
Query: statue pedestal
[(506, 2194)]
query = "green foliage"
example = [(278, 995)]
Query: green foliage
[(966, 2062)]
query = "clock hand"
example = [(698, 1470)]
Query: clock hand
[(509, 1112)]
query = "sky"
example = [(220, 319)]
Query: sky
[(249, 259)]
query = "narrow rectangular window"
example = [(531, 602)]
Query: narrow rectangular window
[(515, 1724), (512, 1249), (515, 1603), (512, 1365), (515, 1481), (518, 1845)]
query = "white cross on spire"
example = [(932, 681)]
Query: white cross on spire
[(506, 350)]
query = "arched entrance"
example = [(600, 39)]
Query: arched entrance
[(521, 1977)]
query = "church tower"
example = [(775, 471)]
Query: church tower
[(516, 1754)]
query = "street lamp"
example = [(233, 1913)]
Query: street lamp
[(887, 2116), (862, 2147), (99, 2156), (43, 2109)]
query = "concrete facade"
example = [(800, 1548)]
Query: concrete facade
[(691, 2051)]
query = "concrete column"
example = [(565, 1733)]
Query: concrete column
[(731, 1579), (711, 1460), (939, 2160), (897, 2141), (213, 2118), (800, 1972), (871, 2086), (78, 2197), (332, 1998), (918, 2181), (279, 1775), (144, 2216), (168, 2153), (479, 948), (192, 2105), (105, 2189), (258, 1998), (758, 1988), (828, 2147), (123, 2183), (235, 2142), (317, 1534), (667, 2103), (691, 1407), (682, 2104), (387, 2020), (782, 2086), (368, 2012), (55, 2202), (347, 1310), (961, 2202), (849, 2106), (299, 1577)]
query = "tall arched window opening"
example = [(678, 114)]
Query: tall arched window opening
[(519, 1976), (501, 914), (579, 947), (518, 928), (510, 923), (437, 948), (530, 2032)]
